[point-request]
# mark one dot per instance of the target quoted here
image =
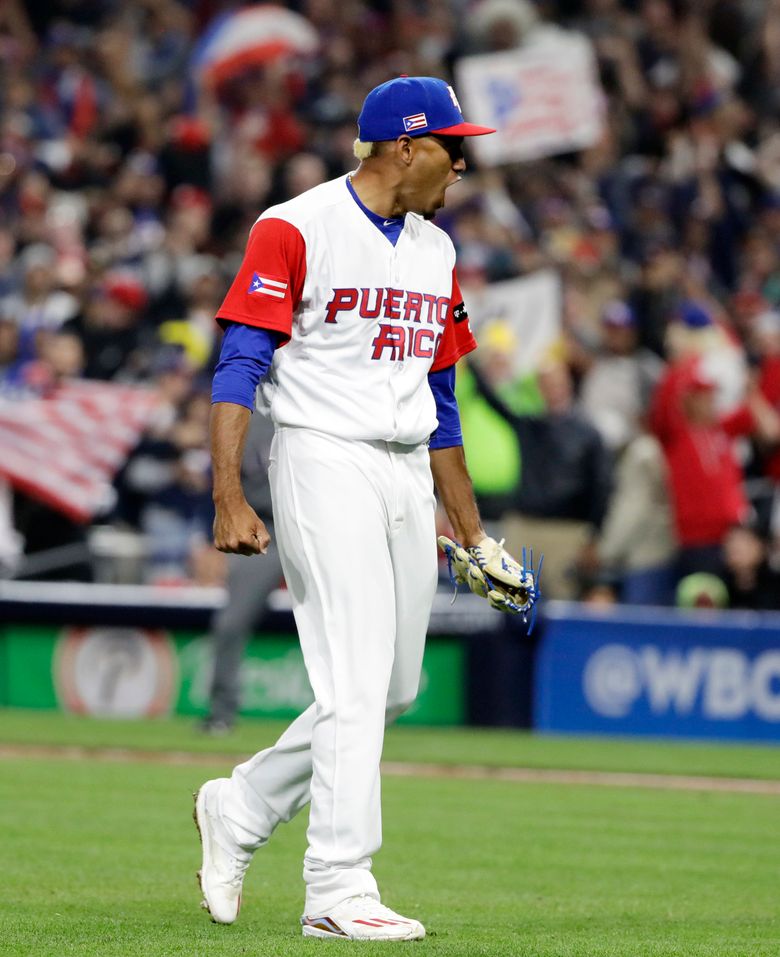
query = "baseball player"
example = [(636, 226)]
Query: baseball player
[(346, 310)]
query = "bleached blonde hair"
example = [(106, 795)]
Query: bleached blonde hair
[(364, 150)]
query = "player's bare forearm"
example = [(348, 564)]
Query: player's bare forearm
[(237, 527), (453, 483), (228, 428)]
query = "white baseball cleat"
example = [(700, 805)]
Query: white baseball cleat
[(362, 918), (221, 875)]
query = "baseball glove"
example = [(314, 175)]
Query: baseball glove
[(492, 573)]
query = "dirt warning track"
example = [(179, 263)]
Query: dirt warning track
[(464, 772)]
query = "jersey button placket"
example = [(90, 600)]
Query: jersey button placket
[(395, 268), (396, 367), (395, 280)]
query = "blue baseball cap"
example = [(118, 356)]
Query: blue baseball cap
[(415, 105), (694, 315)]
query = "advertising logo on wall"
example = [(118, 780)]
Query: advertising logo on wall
[(137, 672), (723, 683), (115, 672), (274, 684), (673, 676), (272, 678)]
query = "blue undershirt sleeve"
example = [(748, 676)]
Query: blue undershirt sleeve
[(244, 360), (448, 434)]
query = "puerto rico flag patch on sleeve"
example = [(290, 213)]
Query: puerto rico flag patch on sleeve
[(267, 286)]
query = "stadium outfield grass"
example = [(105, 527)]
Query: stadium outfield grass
[(99, 856)]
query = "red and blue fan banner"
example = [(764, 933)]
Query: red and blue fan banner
[(65, 448), (251, 37), (542, 99)]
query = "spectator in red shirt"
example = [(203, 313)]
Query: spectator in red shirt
[(765, 336), (705, 477)]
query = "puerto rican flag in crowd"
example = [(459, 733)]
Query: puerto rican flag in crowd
[(267, 286)]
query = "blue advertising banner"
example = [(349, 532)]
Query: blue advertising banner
[(658, 672)]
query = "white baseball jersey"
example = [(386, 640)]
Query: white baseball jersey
[(365, 320)]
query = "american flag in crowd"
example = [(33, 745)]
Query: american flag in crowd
[(65, 448)]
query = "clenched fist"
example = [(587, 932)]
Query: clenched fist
[(238, 529)]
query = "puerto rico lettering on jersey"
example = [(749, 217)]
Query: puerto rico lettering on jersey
[(402, 341), (393, 340), (389, 303)]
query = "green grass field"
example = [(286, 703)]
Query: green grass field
[(98, 857)]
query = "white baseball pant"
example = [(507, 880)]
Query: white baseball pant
[(356, 534)]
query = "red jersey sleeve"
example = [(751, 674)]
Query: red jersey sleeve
[(269, 284), (457, 339)]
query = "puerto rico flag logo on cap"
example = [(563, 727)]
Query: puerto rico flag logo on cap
[(267, 286), (416, 122)]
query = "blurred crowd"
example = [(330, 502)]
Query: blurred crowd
[(642, 456)]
